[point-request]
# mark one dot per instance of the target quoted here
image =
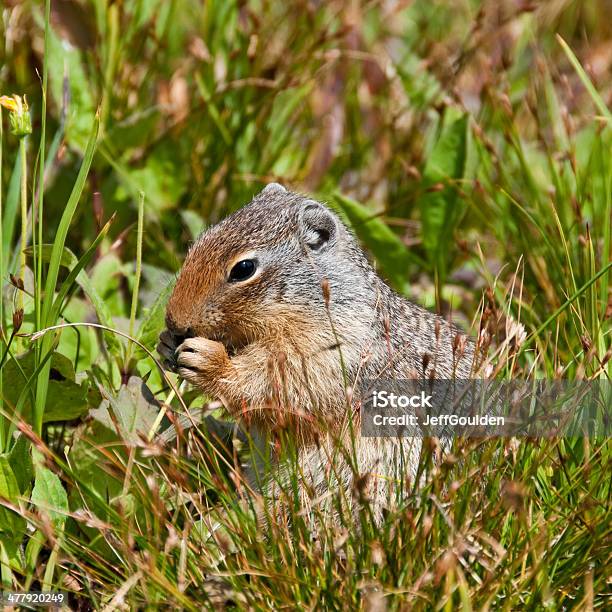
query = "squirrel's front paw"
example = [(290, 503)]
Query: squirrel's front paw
[(202, 362)]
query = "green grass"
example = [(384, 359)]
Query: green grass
[(467, 144)]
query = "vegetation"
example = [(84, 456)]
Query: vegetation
[(469, 146)]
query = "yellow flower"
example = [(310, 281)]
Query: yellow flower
[(10, 103), (19, 117)]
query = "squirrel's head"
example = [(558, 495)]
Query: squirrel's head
[(261, 271)]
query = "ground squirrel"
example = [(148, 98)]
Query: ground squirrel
[(277, 312)]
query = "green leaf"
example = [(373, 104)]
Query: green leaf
[(387, 247), (21, 462), (10, 522), (67, 258), (134, 410), (441, 205), (66, 400), (50, 496), (13, 555)]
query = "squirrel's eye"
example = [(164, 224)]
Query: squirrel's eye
[(242, 270)]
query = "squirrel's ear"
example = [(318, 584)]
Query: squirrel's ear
[(271, 188), (317, 226)]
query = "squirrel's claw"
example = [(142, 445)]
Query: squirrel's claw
[(201, 361)]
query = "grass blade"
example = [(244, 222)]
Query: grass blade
[(134, 305), (582, 75), (76, 270)]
